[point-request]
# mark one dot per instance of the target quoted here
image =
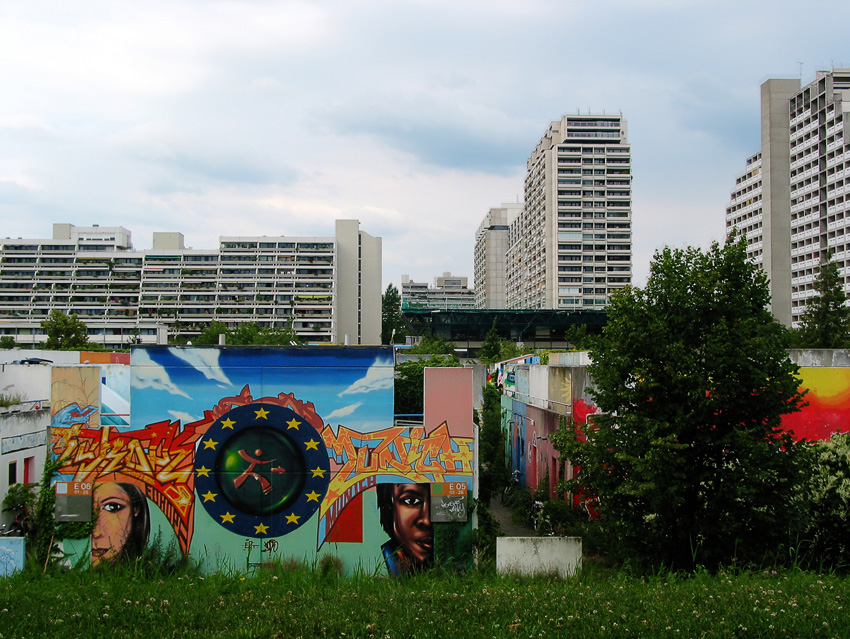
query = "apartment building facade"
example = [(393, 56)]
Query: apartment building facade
[(326, 288), (791, 203), (449, 292), (570, 248), (491, 248)]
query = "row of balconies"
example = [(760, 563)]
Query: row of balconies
[(805, 188), (802, 295), (802, 116), (749, 208), (838, 207), (840, 172), (747, 179), (834, 128), (111, 264), (745, 194), (805, 129), (804, 264), (54, 274), (806, 204), (802, 280), (811, 156), (838, 142), (838, 224), (838, 240), (797, 133), (803, 250), (798, 234)]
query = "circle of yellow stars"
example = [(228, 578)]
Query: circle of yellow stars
[(291, 518)]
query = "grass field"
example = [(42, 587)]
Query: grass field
[(302, 603)]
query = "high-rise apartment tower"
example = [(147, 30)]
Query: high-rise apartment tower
[(791, 203), (491, 247), (570, 247)]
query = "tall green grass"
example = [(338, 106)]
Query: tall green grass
[(297, 601)]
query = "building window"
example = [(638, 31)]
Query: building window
[(13, 473)]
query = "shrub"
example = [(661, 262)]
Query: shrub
[(557, 518), (825, 499), (10, 399)]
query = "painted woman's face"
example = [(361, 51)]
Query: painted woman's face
[(412, 521), (114, 522)]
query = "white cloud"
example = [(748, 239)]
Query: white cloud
[(203, 360), (184, 418), (345, 411), (379, 376), (148, 374), (227, 117)]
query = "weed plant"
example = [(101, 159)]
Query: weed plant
[(303, 602)]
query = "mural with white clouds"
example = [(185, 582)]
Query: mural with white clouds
[(240, 456)]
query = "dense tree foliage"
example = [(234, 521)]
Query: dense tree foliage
[(686, 457), (491, 346), (825, 505), (494, 473), (247, 334), (431, 345), (410, 381), (578, 337), (7, 341), (393, 329), (64, 331), (826, 322), (495, 349)]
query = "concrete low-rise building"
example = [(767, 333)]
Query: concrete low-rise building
[(328, 289), (24, 426), (449, 292), (537, 397)]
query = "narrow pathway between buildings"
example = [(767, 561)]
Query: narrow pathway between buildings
[(502, 514)]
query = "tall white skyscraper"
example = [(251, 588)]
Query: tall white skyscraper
[(791, 203), (570, 247), (491, 247)]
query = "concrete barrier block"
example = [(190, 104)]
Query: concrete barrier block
[(538, 555)]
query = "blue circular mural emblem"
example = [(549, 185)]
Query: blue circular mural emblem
[(261, 470)]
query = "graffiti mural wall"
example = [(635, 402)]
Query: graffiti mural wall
[(240, 456), (828, 409)]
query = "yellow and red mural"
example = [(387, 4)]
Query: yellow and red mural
[(828, 404), (282, 450)]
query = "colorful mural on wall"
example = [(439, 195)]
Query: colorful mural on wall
[(828, 409), (242, 456)]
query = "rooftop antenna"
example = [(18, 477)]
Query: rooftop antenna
[(801, 69)]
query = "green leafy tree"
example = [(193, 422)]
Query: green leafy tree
[(825, 495), (410, 382), (279, 337), (209, 334), (826, 322), (491, 347), (391, 319), (509, 350), (247, 334), (491, 440), (431, 345), (64, 331), (20, 500), (687, 458), (495, 349), (578, 338), (7, 341)]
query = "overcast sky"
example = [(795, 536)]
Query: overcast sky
[(413, 116)]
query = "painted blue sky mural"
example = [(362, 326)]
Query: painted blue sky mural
[(180, 383)]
